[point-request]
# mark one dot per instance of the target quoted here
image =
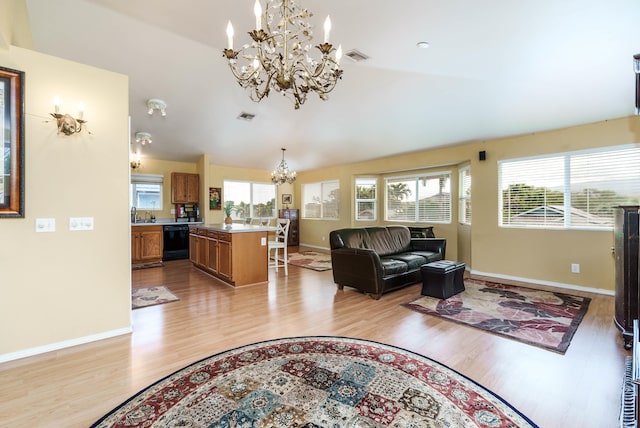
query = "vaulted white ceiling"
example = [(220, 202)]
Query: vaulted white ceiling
[(494, 68)]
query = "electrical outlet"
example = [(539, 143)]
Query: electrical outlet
[(263, 241), (575, 267)]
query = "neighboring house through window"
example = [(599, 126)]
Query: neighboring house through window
[(145, 191), (570, 190)]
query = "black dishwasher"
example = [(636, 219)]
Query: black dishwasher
[(176, 242)]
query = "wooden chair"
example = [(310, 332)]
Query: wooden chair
[(280, 241)]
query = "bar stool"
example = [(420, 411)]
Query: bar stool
[(280, 241)]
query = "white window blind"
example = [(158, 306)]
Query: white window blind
[(571, 190), (464, 205), (366, 199), (419, 199), (321, 200)]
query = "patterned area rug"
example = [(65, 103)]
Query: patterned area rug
[(313, 382), (311, 260), (149, 296), (540, 318)]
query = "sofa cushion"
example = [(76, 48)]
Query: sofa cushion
[(392, 267), (389, 240), (413, 261), (351, 238), (430, 256)]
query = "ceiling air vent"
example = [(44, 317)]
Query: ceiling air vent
[(246, 116), (356, 55)]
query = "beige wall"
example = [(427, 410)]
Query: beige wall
[(67, 287), (540, 255)]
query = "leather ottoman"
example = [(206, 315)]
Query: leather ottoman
[(442, 279)]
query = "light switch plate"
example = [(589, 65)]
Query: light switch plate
[(80, 223), (45, 225)]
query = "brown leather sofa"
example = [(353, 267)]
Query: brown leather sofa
[(376, 260)]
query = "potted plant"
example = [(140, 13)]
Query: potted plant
[(227, 212)]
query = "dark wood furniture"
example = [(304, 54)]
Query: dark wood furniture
[(627, 290), (293, 215)]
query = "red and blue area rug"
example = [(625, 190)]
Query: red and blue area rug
[(312, 382), (541, 318)]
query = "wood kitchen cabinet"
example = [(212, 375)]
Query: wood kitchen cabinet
[(146, 244), (185, 188), (225, 259), (198, 248)]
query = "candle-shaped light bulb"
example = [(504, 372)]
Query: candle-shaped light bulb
[(229, 36), (327, 29), (56, 104), (80, 111), (256, 63), (257, 10), (338, 54)]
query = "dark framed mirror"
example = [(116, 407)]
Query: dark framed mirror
[(12, 125)]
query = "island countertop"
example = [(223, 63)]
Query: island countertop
[(234, 227)]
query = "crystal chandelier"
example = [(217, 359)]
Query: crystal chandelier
[(282, 174), (279, 57)]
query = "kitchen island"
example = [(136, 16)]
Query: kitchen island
[(234, 253)]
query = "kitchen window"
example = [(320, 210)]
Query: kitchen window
[(145, 191)]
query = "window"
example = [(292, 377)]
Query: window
[(464, 205), (366, 206), (321, 200), (145, 191), (571, 190), (424, 198), (250, 200)]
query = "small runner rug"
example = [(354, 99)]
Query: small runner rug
[(149, 296), (540, 318), (311, 260), (313, 382)]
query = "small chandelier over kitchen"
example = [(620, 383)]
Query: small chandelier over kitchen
[(279, 56), (282, 174)]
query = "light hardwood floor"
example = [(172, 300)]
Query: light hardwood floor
[(76, 386)]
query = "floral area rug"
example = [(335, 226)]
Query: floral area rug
[(311, 260), (149, 296), (313, 382), (540, 318)]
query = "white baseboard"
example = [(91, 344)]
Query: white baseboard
[(548, 283), (315, 246), (61, 345)]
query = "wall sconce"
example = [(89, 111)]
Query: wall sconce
[(156, 104), (136, 163), (66, 123), (143, 138)]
